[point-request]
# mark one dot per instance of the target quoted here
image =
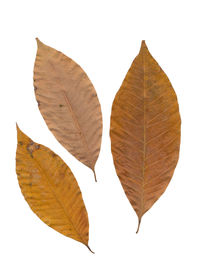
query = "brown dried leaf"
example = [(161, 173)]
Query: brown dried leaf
[(68, 103), (145, 132), (51, 189)]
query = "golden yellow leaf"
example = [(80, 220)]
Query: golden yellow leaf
[(68, 103), (145, 132), (51, 189)]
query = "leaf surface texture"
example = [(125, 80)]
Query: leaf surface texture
[(51, 189), (68, 103), (145, 132)]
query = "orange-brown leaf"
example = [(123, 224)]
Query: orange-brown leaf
[(145, 132), (68, 103), (51, 189)]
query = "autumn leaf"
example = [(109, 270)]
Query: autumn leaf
[(50, 189), (68, 103), (145, 132)]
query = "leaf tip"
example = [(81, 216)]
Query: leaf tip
[(21, 135), (143, 46), (39, 43), (19, 132), (18, 129), (143, 43)]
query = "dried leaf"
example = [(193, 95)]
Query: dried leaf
[(68, 103), (145, 132), (51, 189)]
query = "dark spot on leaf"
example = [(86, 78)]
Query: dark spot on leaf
[(61, 105), (53, 154), (32, 147)]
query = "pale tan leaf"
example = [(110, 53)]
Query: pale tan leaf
[(51, 189), (145, 132), (68, 103)]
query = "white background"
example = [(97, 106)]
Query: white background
[(103, 37)]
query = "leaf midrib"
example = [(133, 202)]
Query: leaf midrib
[(144, 137), (76, 122)]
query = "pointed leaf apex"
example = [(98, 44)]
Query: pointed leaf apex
[(18, 129), (143, 46), (19, 132), (39, 43), (21, 135), (143, 43)]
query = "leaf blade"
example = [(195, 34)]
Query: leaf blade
[(145, 132), (50, 189), (68, 103)]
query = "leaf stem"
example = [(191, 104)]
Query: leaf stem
[(94, 175), (139, 221), (90, 249)]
